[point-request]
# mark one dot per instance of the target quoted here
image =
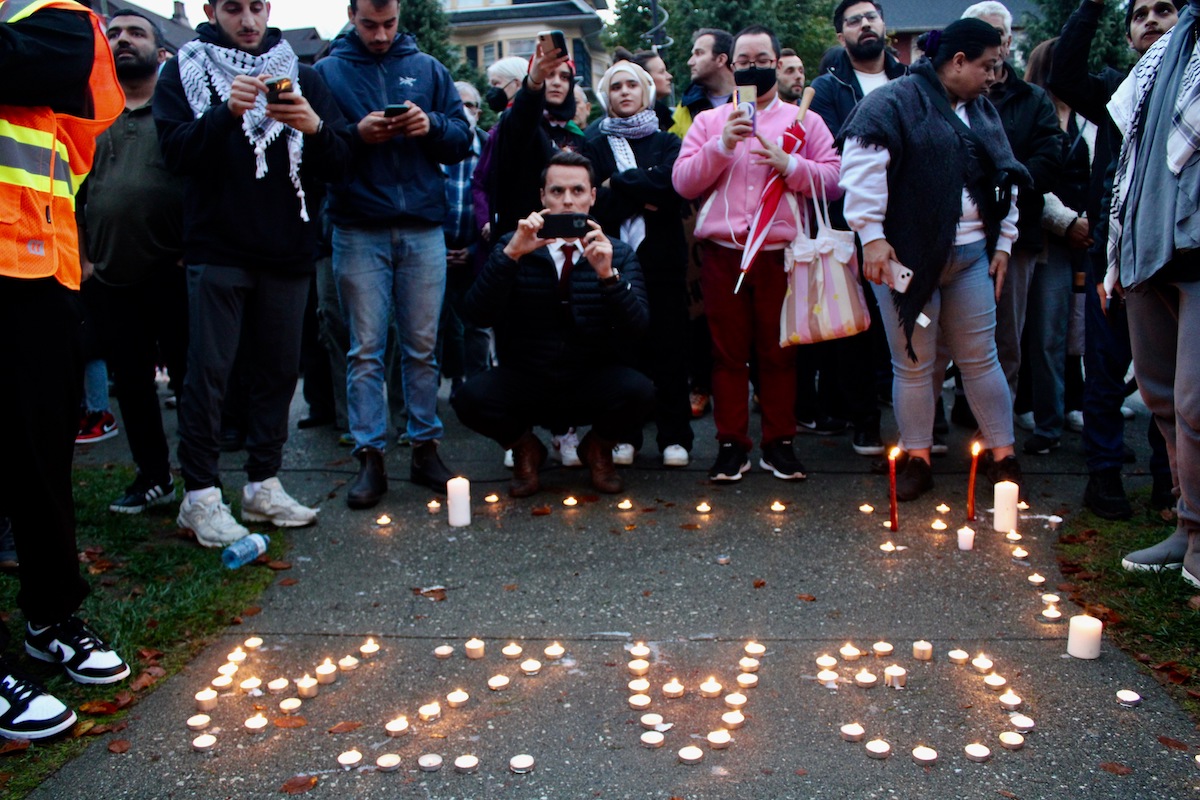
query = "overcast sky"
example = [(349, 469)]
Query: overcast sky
[(327, 16)]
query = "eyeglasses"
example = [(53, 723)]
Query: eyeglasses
[(469, 104), (745, 63), (858, 19)]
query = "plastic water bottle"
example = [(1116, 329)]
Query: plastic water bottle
[(245, 550)]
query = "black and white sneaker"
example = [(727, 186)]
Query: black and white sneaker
[(731, 462), (80, 651), (143, 494), (780, 460), (27, 711)]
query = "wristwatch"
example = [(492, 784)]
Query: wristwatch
[(611, 280)]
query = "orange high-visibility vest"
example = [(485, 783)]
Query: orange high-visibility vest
[(44, 157)]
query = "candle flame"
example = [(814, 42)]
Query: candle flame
[(384, 519), (491, 498), (976, 448), (778, 506), (894, 453), (625, 505), (866, 508), (569, 501), (704, 508)]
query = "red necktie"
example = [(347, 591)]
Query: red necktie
[(568, 251)]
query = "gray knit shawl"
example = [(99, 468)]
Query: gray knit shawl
[(930, 165)]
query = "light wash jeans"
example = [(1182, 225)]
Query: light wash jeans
[(398, 270), (962, 312)]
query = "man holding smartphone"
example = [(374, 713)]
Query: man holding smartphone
[(566, 303), (389, 252)]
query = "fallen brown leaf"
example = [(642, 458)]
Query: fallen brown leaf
[(630, 527), (119, 746), (759, 583), (1164, 665), (435, 593), (1174, 744), (288, 582), (345, 727), (123, 699), (83, 728), (690, 526), (649, 510), (541, 511), (150, 654), (1069, 588), (108, 727), (511, 587), (1194, 602), (647, 592), (293, 721), (251, 611), (801, 772), (143, 681), (13, 746), (279, 565), (1009, 795), (1115, 768), (807, 598), (99, 708), (298, 784)]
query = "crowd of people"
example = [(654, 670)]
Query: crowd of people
[(572, 270)]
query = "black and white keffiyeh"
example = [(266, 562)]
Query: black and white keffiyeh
[(206, 68)]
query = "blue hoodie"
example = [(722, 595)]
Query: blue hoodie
[(400, 180)]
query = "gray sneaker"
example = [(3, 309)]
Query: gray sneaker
[(274, 505), (1167, 554), (209, 519)]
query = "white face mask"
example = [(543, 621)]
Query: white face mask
[(472, 116)]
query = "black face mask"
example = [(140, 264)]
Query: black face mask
[(496, 99), (761, 78)]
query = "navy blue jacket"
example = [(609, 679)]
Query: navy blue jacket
[(838, 91), (400, 180)]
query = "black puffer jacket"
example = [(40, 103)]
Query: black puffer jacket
[(838, 91), (538, 332)]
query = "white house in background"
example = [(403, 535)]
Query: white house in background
[(487, 30)]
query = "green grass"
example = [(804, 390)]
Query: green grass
[(1147, 614), (152, 590)]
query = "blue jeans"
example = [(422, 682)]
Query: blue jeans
[(1047, 321), (398, 270), (962, 312)]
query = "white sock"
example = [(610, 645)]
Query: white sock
[(195, 495), (252, 488)]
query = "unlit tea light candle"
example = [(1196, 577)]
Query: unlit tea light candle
[(429, 762), (651, 721), (1022, 723), (924, 755), (691, 755), (250, 684), (977, 752), (958, 656), (204, 743), (222, 682), (388, 762), (895, 676), (747, 680), (1129, 698), (350, 759), (639, 702), (443, 651), (1011, 740), (735, 701), (531, 666), (521, 764), (652, 739), (755, 649), (198, 722), (466, 764)]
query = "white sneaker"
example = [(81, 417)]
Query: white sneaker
[(272, 504), (209, 519), (675, 455), (566, 447), (1126, 412), (623, 454), (1025, 420), (1075, 421), (508, 462)]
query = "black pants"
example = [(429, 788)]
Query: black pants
[(503, 403), (663, 358), (138, 326), (225, 303), (41, 362)]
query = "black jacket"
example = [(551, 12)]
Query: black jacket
[(663, 253), (1031, 124), (838, 91), (231, 218), (46, 59), (540, 332)]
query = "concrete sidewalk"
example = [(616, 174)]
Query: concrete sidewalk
[(695, 587)]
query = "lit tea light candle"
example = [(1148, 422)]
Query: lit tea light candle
[(1083, 637), (327, 672), (237, 656), (1036, 580), (206, 699), (639, 667), (1020, 554), (434, 506), (430, 712), (222, 682), (368, 649), (625, 505), (966, 538), (1051, 613), (521, 764), (778, 506), (1022, 506), (982, 664), (827, 677), (474, 648), (570, 501), (1051, 598), (853, 732), (672, 688), (704, 508), (652, 739), (651, 721), (306, 687), (710, 688), (198, 722), (719, 739), (878, 748), (995, 682), (748, 664), (349, 759), (735, 701), (732, 720), (498, 683), (554, 651), (942, 509), (639, 702), (639, 686), (204, 743), (887, 547), (512, 651), (937, 525), (457, 699), (867, 508), (1013, 537), (383, 520), (531, 666), (1010, 740), (865, 679), (849, 652), (278, 686), (691, 755), (491, 498), (882, 649), (958, 656), (978, 753), (443, 651), (255, 724), (290, 705), (466, 764), (826, 661), (253, 643), (1054, 521), (640, 650), (1022, 723), (922, 650), (1129, 698), (895, 676), (747, 680), (228, 668), (1010, 700), (250, 684), (388, 762), (925, 756), (429, 762), (755, 649)]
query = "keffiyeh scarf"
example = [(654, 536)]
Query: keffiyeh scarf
[(619, 131)]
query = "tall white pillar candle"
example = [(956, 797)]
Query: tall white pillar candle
[(1005, 502), (458, 498), (1083, 640)]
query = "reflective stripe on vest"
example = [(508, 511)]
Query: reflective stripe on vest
[(16, 10), (25, 154)]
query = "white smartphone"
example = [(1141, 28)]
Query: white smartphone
[(901, 276), (746, 98)]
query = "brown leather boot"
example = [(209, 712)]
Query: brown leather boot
[(597, 453), (528, 455)]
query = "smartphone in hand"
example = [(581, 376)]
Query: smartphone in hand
[(276, 87), (395, 109), (901, 276), (553, 40), (564, 226)]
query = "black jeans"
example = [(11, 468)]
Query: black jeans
[(225, 303), (41, 361), (503, 403)]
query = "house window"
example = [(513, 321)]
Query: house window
[(522, 48), (489, 54)]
